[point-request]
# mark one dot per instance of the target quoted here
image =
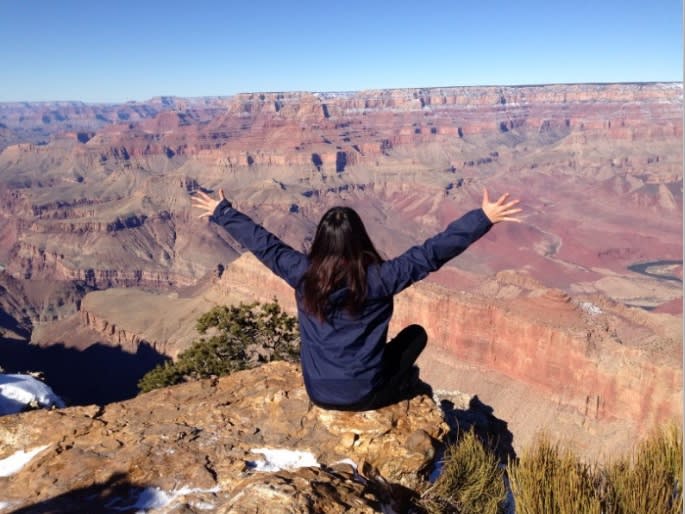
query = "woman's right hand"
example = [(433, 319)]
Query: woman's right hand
[(206, 203), (501, 210)]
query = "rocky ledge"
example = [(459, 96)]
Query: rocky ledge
[(248, 442)]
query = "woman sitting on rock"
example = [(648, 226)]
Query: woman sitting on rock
[(344, 291)]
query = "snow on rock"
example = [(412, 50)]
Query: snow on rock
[(13, 464), (200, 505), (276, 459), (590, 308), (20, 391), (155, 498)]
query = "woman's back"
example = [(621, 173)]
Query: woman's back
[(342, 352)]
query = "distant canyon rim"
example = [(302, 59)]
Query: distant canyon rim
[(570, 321)]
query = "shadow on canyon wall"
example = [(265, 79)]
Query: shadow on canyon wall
[(7, 322), (98, 374)]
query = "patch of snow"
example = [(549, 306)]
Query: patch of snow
[(590, 308), (154, 498), (277, 459), (347, 461), (13, 464), (203, 505), (358, 477), (149, 498), (192, 490), (19, 391)]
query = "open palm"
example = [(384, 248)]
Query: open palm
[(500, 210), (206, 203)]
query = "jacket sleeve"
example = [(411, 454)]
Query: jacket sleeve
[(280, 258), (417, 262)]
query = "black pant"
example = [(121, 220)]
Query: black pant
[(398, 361)]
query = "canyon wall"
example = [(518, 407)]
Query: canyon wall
[(330, 131), (602, 360)]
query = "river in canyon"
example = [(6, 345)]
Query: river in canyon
[(662, 272)]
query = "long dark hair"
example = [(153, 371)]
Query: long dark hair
[(340, 255)]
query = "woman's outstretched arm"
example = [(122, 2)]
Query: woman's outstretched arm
[(417, 262), (280, 258)]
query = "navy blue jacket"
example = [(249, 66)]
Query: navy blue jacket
[(342, 357)]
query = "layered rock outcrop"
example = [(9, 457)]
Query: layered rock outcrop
[(127, 340), (131, 317), (38, 122), (208, 445), (328, 131)]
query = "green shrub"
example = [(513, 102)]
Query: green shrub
[(242, 337), (163, 375), (471, 481)]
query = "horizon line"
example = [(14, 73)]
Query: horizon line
[(346, 92)]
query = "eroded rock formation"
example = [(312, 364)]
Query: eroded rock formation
[(204, 443)]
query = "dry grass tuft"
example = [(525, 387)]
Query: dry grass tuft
[(651, 480), (548, 480), (472, 481)]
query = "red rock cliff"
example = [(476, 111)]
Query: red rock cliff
[(607, 363)]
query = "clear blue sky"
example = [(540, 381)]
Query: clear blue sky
[(122, 50)]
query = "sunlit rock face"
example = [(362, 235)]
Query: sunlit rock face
[(217, 442)]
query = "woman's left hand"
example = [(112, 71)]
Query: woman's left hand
[(206, 203), (501, 210)]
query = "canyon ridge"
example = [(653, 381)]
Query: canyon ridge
[(570, 322)]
